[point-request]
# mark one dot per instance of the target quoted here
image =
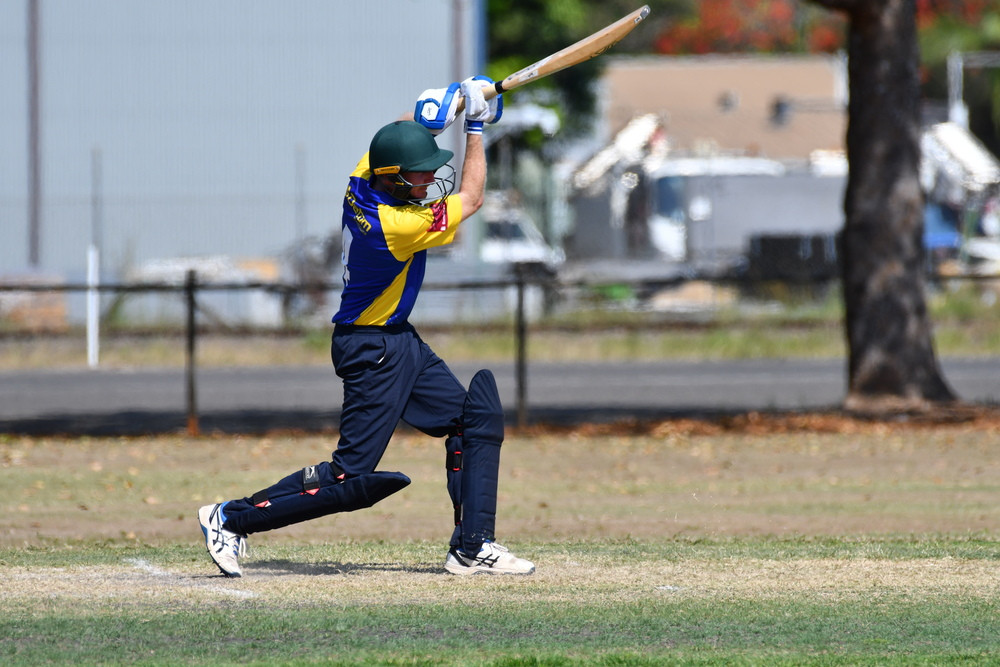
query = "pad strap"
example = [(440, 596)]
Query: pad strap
[(310, 480)]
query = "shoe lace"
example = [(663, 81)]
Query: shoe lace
[(490, 553), (240, 546), (497, 546), (231, 542)]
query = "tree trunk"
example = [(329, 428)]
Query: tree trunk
[(891, 360)]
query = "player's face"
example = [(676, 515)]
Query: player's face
[(420, 181)]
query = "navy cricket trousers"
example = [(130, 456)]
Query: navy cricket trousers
[(389, 375)]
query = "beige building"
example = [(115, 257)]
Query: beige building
[(781, 107)]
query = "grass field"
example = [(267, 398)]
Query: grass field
[(803, 541)]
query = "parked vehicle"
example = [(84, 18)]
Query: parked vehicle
[(510, 236)]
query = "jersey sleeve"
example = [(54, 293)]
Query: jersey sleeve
[(410, 229)]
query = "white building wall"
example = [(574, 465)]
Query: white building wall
[(198, 111)]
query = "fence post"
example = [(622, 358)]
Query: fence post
[(521, 335), (93, 306), (190, 283)]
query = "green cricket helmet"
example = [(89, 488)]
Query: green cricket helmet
[(406, 145)]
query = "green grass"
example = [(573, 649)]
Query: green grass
[(595, 603), (865, 543)]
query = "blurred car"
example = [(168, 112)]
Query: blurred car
[(510, 236)]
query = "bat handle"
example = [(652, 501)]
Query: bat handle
[(488, 93)]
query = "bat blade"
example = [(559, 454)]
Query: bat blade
[(587, 48), (574, 54)]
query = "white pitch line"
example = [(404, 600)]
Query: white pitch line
[(149, 568), (233, 592)]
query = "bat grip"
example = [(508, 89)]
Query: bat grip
[(498, 89)]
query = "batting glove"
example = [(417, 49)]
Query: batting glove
[(479, 110), (436, 108)]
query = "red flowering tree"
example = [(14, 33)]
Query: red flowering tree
[(728, 26), (737, 26)]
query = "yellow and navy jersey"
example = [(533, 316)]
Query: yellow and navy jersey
[(385, 244)]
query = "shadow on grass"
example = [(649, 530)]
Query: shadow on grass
[(282, 567), (257, 422)]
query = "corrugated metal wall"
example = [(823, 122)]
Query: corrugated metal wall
[(226, 127)]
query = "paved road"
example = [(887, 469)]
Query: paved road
[(257, 399)]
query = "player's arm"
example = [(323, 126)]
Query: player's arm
[(478, 112), (473, 186)]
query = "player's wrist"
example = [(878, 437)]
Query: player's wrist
[(473, 126)]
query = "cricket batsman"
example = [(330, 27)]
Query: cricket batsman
[(395, 208)]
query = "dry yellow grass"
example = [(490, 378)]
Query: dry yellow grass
[(560, 578), (676, 480), (676, 519)]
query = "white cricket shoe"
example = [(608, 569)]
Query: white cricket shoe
[(224, 546), (492, 558)]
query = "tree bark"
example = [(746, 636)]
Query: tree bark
[(891, 359)]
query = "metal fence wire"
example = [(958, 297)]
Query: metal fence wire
[(530, 289)]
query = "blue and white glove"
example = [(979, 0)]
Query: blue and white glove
[(436, 108), (479, 110)]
